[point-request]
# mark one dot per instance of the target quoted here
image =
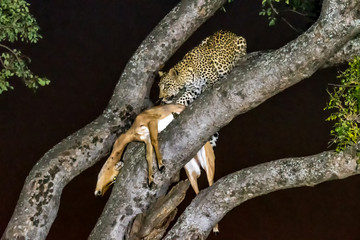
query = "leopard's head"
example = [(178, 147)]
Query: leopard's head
[(168, 85)]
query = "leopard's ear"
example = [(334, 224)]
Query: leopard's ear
[(173, 72), (161, 73)]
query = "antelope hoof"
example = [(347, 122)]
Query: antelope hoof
[(162, 168), (150, 183), (216, 229)]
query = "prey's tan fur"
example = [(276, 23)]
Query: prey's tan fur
[(144, 129)]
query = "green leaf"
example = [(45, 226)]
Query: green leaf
[(16, 23), (43, 81), (345, 100), (272, 22)]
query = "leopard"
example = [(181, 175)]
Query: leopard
[(200, 68), (203, 66)]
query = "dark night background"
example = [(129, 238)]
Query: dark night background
[(84, 49)]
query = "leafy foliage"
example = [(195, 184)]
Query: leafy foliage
[(345, 101), (16, 23), (223, 8), (274, 9)]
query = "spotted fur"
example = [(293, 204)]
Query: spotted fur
[(210, 61), (207, 63)]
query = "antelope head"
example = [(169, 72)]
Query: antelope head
[(107, 176)]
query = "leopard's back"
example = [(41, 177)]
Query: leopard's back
[(211, 60)]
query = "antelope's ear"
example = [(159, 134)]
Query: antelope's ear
[(161, 73), (173, 72)]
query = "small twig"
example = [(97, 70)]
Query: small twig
[(18, 59), (299, 13), (273, 8), (6, 67), (284, 19), (291, 26), (12, 51), (334, 84), (2, 63), (349, 84)]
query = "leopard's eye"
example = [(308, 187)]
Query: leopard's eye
[(114, 179)]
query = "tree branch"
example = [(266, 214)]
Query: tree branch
[(255, 80), (153, 223), (40, 197), (213, 203), (258, 79), (345, 54)]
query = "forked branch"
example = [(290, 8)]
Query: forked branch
[(212, 204), (37, 206), (247, 86)]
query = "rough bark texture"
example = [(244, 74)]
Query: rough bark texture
[(153, 223), (212, 204), (346, 53), (40, 197), (250, 84)]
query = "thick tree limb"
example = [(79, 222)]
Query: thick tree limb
[(40, 197), (153, 223), (213, 203), (39, 200), (345, 54), (250, 84)]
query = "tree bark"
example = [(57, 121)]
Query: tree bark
[(40, 197), (153, 223), (212, 204), (345, 54), (248, 85)]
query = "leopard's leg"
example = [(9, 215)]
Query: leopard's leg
[(192, 91), (189, 96)]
